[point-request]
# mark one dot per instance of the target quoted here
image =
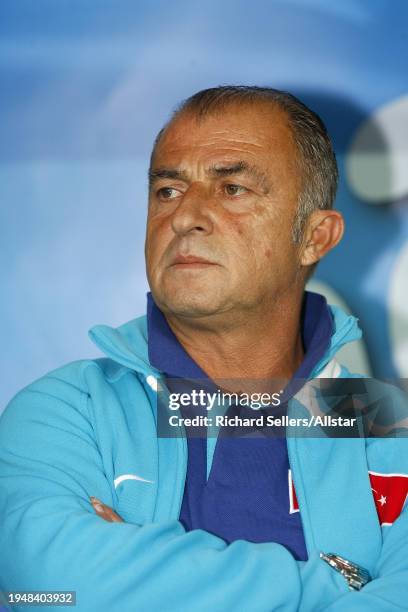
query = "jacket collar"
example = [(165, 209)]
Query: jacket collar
[(168, 355), (128, 345)]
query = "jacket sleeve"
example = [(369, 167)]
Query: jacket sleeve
[(388, 591), (51, 539)]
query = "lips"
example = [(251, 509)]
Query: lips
[(191, 260)]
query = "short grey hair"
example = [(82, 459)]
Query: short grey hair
[(316, 157)]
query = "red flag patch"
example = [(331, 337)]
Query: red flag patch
[(293, 502), (390, 492)]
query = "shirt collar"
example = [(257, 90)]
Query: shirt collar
[(168, 355), (165, 351)]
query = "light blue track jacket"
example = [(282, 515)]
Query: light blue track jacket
[(89, 429)]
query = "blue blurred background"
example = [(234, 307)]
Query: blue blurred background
[(84, 87)]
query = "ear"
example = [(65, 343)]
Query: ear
[(324, 230)]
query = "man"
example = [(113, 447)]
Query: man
[(242, 183)]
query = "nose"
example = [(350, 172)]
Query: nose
[(192, 215)]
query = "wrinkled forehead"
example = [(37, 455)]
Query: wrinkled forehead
[(261, 128)]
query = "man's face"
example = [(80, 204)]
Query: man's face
[(223, 198)]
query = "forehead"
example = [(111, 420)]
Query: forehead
[(259, 132)]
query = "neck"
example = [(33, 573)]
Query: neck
[(265, 344)]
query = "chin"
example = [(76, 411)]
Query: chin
[(186, 302), (191, 308)]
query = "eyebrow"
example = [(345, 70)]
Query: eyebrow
[(168, 173), (241, 167), (216, 171)]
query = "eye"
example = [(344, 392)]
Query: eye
[(167, 193), (232, 190)]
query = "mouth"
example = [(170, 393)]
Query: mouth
[(191, 262)]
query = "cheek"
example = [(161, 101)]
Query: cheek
[(275, 248), (268, 253), (158, 235), (248, 241)]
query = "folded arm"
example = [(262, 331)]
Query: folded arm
[(51, 538)]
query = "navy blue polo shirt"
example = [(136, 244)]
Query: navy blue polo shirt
[(246, 495)]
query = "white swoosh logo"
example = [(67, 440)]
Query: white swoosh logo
[(120, 479)]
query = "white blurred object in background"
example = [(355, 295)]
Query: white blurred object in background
[(377, 161)]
